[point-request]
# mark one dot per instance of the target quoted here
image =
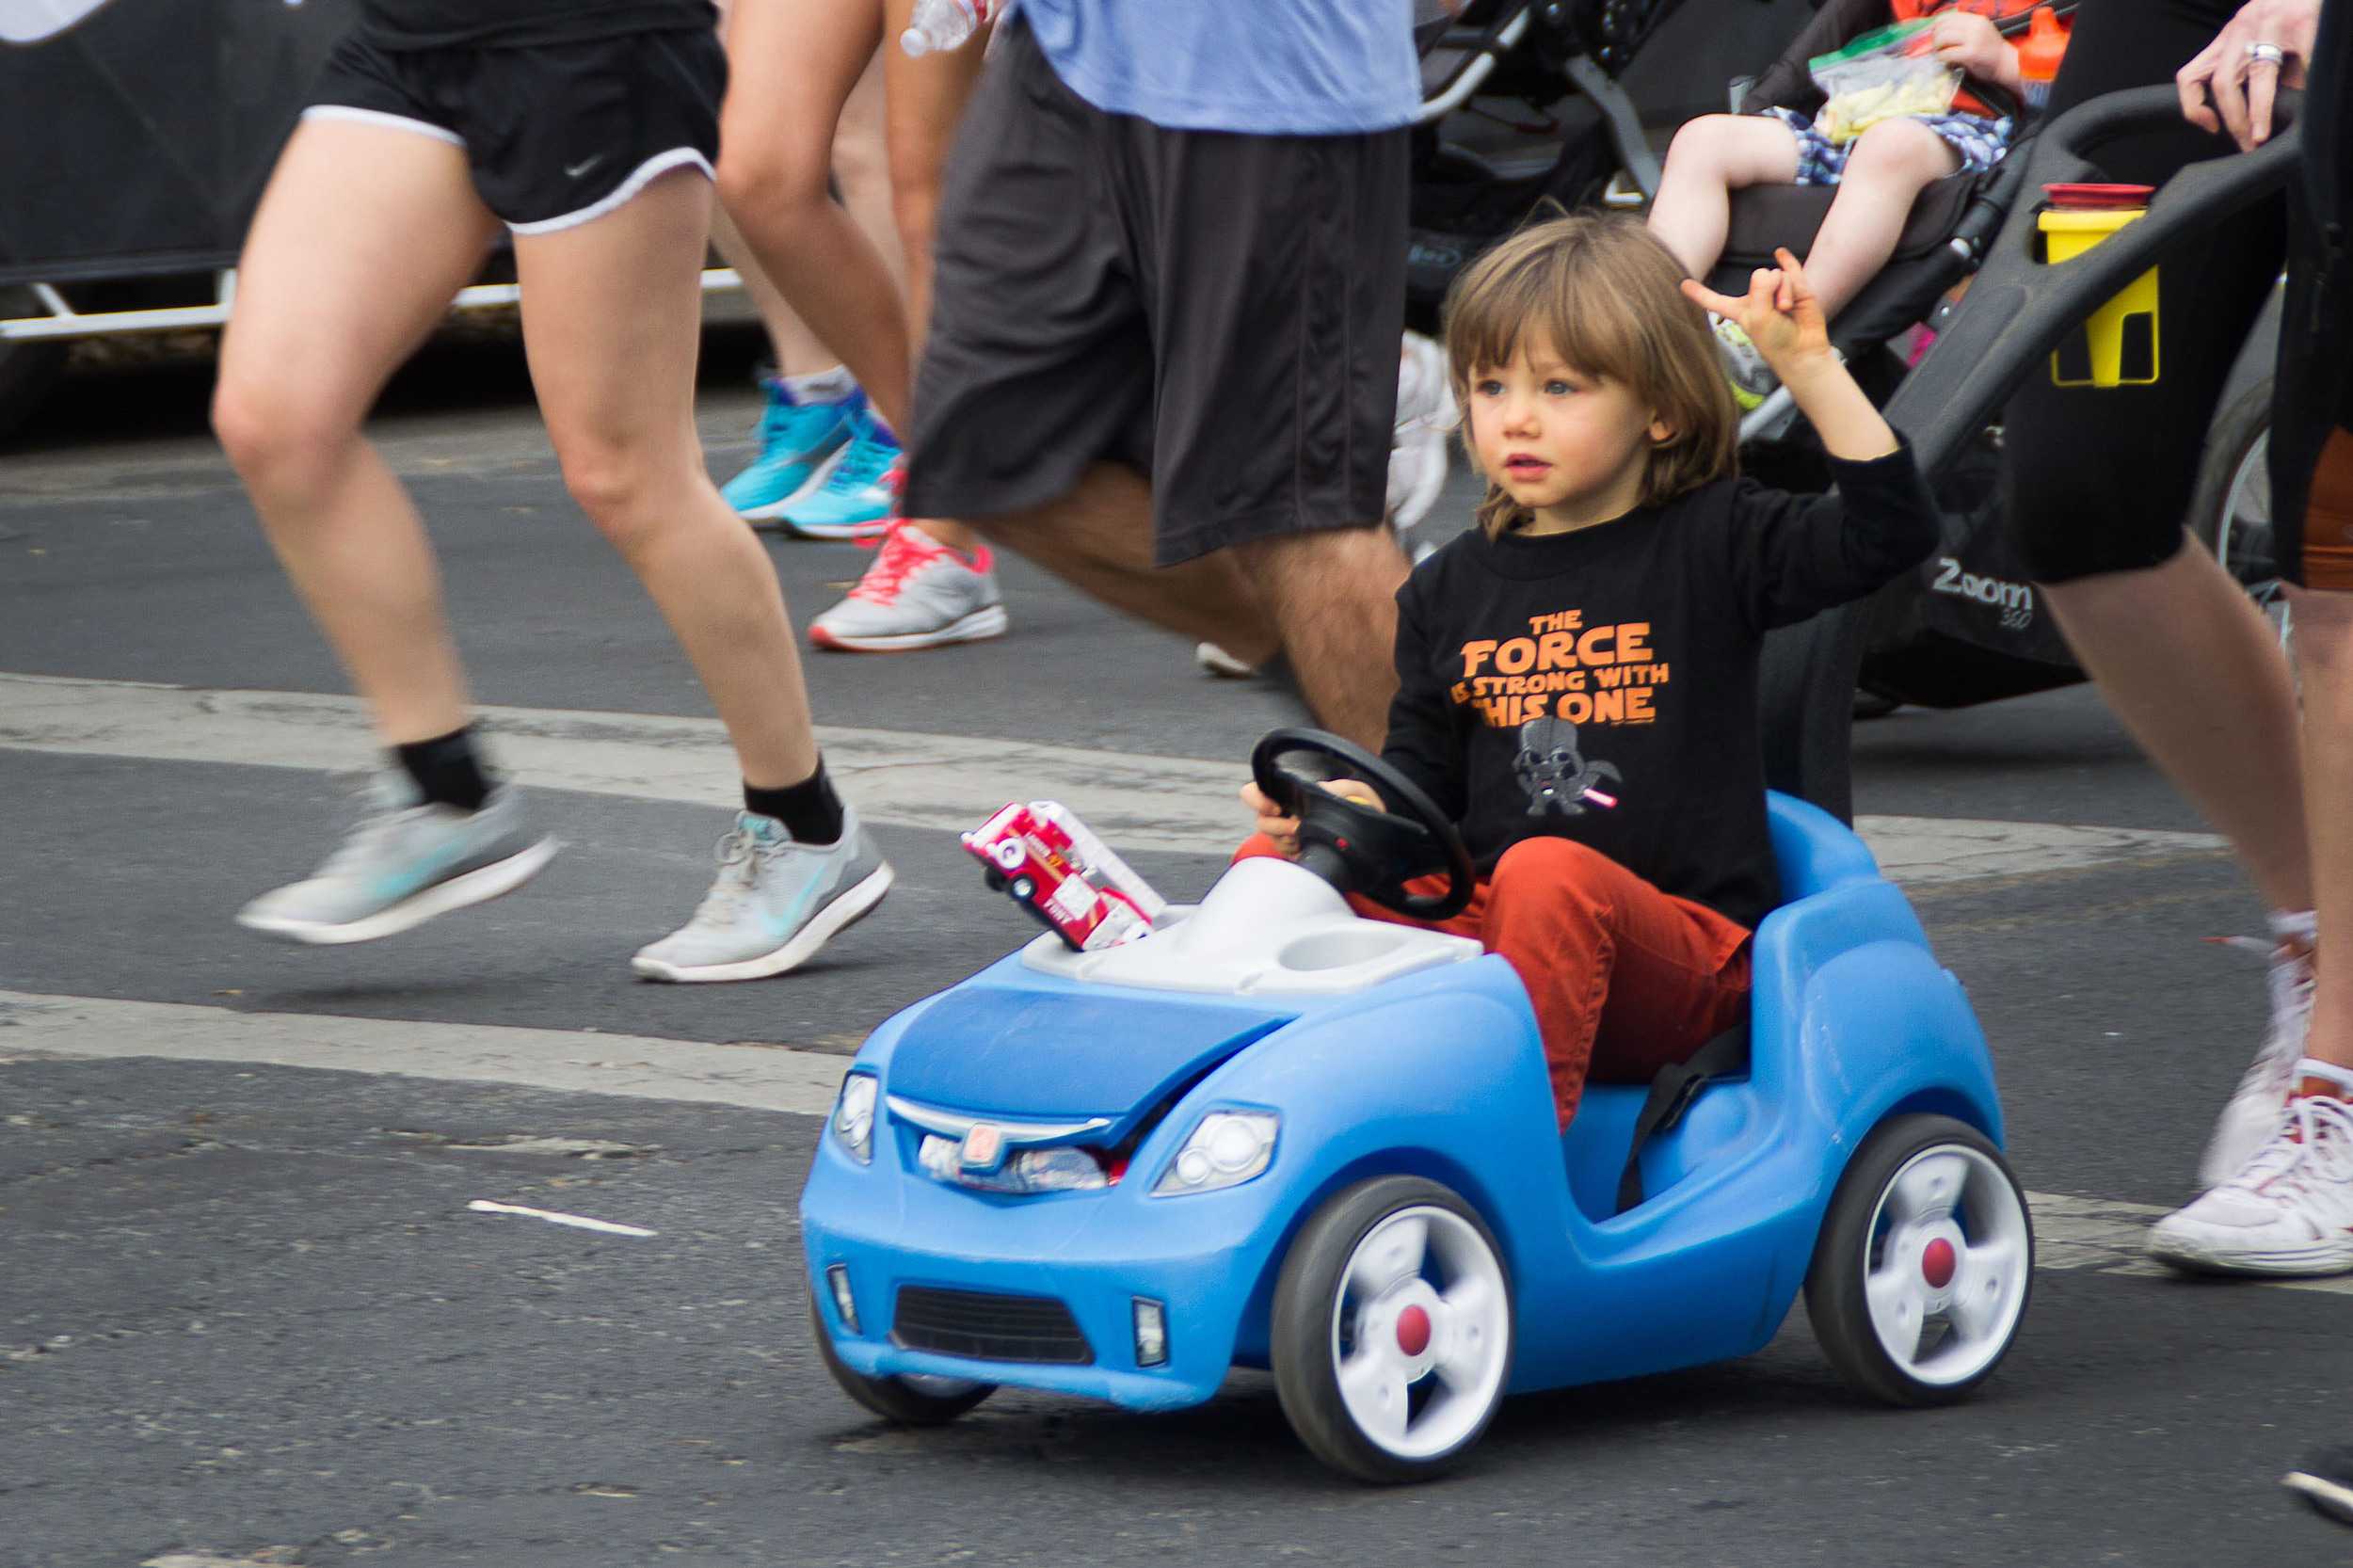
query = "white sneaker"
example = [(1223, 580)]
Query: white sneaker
[(1426, 417), (2252, 1113), (2288, 1210), (918, 593), (1219, 664)]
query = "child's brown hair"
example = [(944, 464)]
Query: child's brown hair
[(1608, 296)]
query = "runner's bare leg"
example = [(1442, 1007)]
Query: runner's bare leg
[(612, 317)]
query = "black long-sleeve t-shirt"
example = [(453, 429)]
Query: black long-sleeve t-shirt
[(1601, 685)]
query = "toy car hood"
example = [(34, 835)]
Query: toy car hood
[(1098, 1040), (1098, 1061)]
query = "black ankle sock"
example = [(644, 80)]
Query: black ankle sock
[(445, 770), (810, 812)]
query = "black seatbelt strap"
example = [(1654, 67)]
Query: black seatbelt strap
[(1671, 1094)]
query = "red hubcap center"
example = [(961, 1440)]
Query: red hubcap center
[(1937, 1262), (1412, 1330)]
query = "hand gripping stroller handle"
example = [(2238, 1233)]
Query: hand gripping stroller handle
[(2018, 310)]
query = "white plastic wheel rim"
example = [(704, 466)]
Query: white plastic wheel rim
[(1947, 1213), (1433, 1262)]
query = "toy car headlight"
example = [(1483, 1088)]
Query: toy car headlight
[(853, 1116), (1225, 1150)]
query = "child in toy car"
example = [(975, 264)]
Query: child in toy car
[(1577, 676)]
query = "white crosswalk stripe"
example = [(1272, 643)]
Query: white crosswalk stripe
[(900, 778), (2072, 1234), (927, 780)]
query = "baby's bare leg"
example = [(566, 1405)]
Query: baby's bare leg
[(1892, 163), (1711, 157)]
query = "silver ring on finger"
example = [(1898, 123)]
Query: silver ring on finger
[(2265, 53)]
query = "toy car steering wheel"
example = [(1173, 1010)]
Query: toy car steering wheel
[(1356, 848)]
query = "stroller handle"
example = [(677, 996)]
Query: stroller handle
[(2093, 124), (2020, 310)]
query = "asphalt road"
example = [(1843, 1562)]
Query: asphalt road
[(246, 1315)]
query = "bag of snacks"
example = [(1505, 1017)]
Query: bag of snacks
[(1886, 74)]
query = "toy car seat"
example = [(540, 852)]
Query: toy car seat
[(1814, 852)]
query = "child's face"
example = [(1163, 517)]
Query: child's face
[(1568, 446)]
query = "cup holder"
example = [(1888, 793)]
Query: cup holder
[(1344, 948)]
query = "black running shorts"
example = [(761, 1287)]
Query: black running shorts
[(2100, 477), (2311, 399), (554, 133), (1219, 312)]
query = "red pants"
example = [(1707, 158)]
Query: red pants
[(1626, 979)]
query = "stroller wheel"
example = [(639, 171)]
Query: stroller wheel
[(2230, 510)]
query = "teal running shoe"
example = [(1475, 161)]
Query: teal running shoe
[(799, 446), (860, 496)]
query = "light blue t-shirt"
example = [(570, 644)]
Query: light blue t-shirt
[(1268, 66)]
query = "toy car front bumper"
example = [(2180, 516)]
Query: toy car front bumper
[(1094, 1255)]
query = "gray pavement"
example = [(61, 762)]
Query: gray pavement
[(248, 1318)]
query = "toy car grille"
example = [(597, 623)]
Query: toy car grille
[(988, 1327)]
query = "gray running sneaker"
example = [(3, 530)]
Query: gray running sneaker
[(775, 903), (407, 862)]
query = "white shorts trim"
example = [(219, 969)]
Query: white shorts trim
[(643, 175), (377, 117)]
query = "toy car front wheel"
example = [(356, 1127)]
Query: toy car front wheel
[(910, 1401), (1921, 1274), (1392, 1330)]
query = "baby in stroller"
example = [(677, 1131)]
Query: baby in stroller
[(1880, 168)]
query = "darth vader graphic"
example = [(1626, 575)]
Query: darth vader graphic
[(1555, 774)]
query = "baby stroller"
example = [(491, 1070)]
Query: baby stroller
[(1558, 61), (2018, 310), (1966, 628)]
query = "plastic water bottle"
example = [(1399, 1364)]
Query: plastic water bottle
[(938, 25)]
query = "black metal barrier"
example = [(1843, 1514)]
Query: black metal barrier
[(136, 140)]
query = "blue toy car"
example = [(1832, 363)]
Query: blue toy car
[(1273, 1134)]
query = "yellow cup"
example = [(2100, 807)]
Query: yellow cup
[(2118, 346)]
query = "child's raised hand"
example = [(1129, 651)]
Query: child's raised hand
[(1284, 830), (1780, 313)]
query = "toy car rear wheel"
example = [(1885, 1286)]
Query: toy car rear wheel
[(1925, 1258), (910, 1401), (1392, 1330)]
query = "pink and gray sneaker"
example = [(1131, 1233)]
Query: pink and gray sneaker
[(918, 593)]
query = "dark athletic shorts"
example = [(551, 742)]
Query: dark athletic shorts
[(1219, 312), (2312, 407), (554, 133), (2101, 477)]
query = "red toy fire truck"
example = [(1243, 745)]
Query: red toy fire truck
[(1053, 866)]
